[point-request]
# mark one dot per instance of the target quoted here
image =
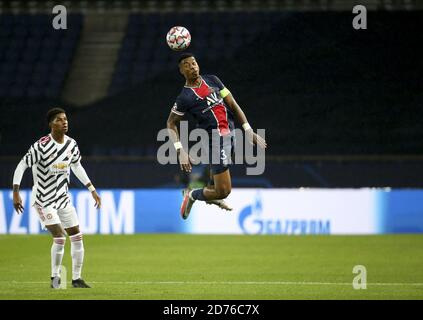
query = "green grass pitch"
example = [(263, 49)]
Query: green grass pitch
[(170, 266)]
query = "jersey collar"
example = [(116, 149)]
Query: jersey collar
[(201, 82), (60, 144)]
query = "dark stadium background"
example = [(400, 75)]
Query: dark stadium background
[(341, 107)]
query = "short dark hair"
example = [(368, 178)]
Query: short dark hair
[(51, 114), (184, 56)]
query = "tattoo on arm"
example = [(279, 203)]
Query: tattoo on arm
[(172, 126)]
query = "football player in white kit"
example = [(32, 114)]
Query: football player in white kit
[(51, 159)]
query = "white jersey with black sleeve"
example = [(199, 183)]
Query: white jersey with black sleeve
[(51, 162)]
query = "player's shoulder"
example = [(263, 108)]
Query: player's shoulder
[(213, 80), (184, 96), (211, 77), (43, 141), (71, 140)]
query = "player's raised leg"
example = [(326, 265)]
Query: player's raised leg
[(187, 203), (222, 188), (218, 202)]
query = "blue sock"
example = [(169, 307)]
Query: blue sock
[(197, 194)]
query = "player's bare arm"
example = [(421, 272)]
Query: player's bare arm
[(172, 126), (17, 177), (17, 201), (242, 119), (95, 195)]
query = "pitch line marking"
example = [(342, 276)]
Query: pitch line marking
[(233, 283)]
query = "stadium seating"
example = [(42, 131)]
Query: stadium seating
[(34, 57), (327, 88), (216, 37)]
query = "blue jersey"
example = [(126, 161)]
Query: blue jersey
[(205, 103)]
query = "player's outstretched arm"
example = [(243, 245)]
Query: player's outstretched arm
[(172, 126), (17, 178), (242, 119)]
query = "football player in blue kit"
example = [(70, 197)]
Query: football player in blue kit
[(214, 108)]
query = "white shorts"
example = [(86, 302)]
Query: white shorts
[(66, 217)]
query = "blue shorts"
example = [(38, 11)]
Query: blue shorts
[(221, 152)]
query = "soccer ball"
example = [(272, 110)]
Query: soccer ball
[(178, 38)]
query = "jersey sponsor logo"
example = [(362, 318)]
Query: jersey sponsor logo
[(59, 167), (213, 99)]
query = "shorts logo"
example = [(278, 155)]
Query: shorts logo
[(42, 217), (40, 212)]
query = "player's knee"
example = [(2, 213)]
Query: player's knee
[(56, 231), (73, 230), (58, 234), (223, 192)]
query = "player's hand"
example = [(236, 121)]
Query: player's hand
[(97, 199), (184, 161), (254, 138), (17, 202)]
